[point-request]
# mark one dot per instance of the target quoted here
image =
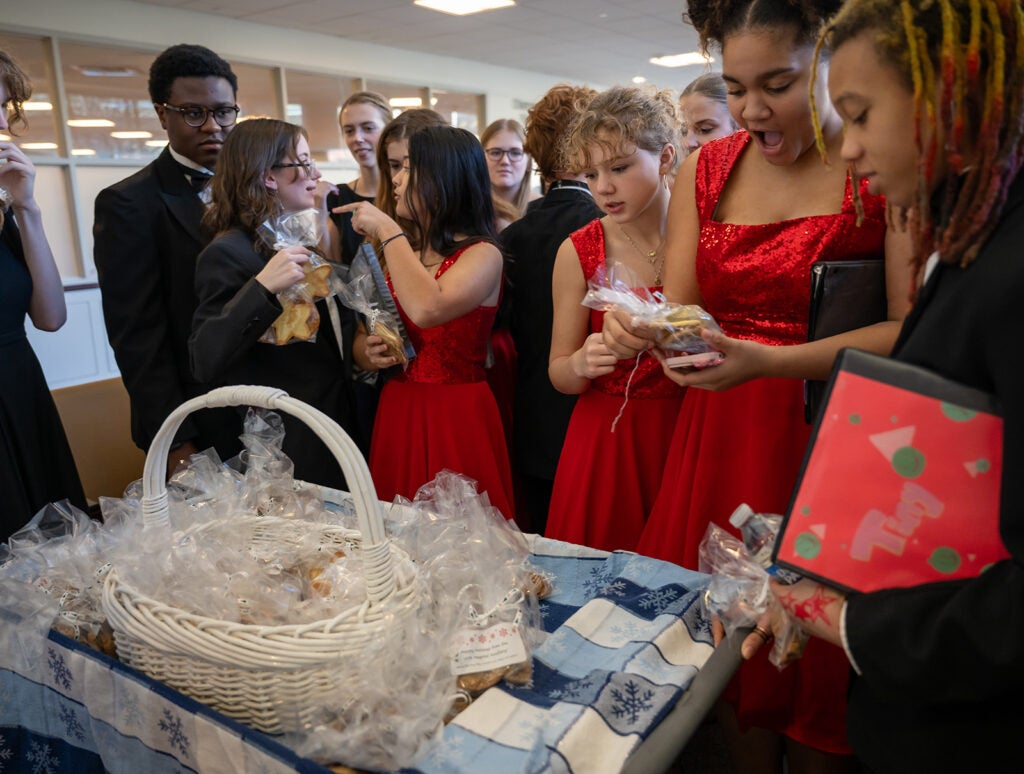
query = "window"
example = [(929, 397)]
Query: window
[(110, 114), (463, 110), (40, 138), (314, 102)]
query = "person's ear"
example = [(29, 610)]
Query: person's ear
[(668, 157), (161, 113), (270, 182)]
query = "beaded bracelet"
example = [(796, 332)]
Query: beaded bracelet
[(389, 240)]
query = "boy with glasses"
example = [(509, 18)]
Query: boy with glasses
[(146, 238)]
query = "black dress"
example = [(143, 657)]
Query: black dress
[(350, 240), (366, 388), (36, 466)]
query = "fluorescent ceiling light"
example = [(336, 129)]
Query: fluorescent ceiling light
[(639, 79), (681, 60), (131, 135), (89, 123), (400, 102), (83, 152), (464, 7), (39, 146), (99, 71), (155, 143), (32, 105), (5, 138)]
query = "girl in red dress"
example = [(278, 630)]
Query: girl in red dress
[(749, 215), (614, 452), (439, 412)]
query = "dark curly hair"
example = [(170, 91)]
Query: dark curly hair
[(715, 20), (186, 60)]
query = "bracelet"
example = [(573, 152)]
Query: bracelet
[(389, 240)]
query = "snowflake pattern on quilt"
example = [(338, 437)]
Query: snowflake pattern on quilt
[(630, 703), (597, 580), (448, 754), (59, 669), (72, 728), (627, 631), (42, 758), (171, 725), (616, 588), (580, 691), (6, 753), (657, 600), (131, 715)]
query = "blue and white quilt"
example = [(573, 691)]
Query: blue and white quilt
[(627, 635)]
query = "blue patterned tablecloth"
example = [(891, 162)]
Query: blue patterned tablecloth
[(627, 635)]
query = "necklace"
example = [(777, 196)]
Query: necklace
[(650, 255)]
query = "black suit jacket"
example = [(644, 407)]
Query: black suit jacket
[(233, 313), (541, 413), (943, 664), (146, 238)]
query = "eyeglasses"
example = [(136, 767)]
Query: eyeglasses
[(197, 115), (514, 154), (308, 167)]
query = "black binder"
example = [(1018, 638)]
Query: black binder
[(845, 295)]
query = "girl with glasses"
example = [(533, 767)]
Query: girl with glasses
[(446, 279), (510, 169), (265, 170)]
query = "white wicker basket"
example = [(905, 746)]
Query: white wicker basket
[(270, 677)]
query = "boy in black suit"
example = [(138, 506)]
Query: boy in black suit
[(541, 413), (146, 239)]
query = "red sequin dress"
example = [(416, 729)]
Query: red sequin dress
[(746, 444), (606, 481), (440, 413)]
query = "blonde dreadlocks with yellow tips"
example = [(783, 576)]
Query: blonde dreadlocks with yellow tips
[(931, 95), (964, 62)]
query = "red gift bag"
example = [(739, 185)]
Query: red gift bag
[(900, 483)]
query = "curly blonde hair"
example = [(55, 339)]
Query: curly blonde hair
[(637, 115)]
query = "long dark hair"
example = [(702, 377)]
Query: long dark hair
[(449, 179)]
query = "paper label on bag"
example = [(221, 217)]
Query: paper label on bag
[(479, 650)]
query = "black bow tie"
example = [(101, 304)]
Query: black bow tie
[(198, 180)]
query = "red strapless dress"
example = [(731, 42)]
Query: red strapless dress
[(440, 413), (746, 444), (606, 481)]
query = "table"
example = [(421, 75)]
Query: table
[(624, 676)]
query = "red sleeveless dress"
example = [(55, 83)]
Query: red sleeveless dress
[(606, 481), (746, 444), (440, 413)]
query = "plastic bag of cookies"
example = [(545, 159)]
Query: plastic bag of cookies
[(299, 319), (674, 328)]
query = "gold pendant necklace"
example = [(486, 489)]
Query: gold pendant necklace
[(651, 256)]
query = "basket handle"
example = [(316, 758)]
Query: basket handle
[(364, 495)]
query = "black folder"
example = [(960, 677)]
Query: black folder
[(845, 295)]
